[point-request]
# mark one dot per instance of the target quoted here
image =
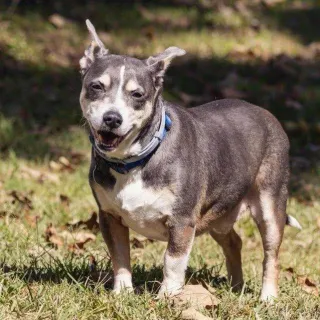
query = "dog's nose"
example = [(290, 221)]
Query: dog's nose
[(112, 119)]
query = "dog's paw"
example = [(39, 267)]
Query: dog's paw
[(169, 290), (119, 290), (122, 283), (269, 294)]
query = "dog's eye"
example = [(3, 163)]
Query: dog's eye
[(136, 94), (96, 86)]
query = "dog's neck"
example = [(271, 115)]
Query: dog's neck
[(152, 125)]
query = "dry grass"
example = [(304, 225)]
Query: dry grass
[(40, 121)]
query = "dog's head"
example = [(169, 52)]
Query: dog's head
[(119, 93)]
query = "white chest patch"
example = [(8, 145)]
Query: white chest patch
[(143, 209)]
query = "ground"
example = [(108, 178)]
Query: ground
[(267, 53)]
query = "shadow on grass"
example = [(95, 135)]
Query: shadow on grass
[(36, 102), (301, 20), (82, 274)]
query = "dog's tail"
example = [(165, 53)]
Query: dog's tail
[(293, 222)]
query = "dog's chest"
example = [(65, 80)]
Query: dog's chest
[(142, 208)]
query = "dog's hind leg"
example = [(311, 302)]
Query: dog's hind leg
[(269, 213), (231, 245)]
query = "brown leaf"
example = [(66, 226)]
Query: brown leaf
[(182, 22), (308, 286), (55, 166), (65, 161), (78, 246), (65, 200), (57, 20), (318, 222), (90, 224), (138, 241), (77, 156), (76, 237), (56, 241), (52, 237), (289, 273), (32, 220), (22, 198), (38, 175), (63, 164), (195, 281), (197, 296), (193, 314), (74, 241), (137, 244)]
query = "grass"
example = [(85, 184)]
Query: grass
[(40, 121)]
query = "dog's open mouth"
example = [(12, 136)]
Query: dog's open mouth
[(107, 140)]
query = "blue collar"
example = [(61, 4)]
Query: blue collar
[(125, 165)]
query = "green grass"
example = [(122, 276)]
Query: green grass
[(40, 121), (40, 282)]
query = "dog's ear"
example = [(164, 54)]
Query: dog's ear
[(158, 64), (95, 50)]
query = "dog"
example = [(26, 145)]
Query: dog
[(171, 173)]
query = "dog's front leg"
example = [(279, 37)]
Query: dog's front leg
[(116, 236), (176, 259)]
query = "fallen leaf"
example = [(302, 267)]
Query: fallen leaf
[(65, 200), (197, 296), (193, 314), (65, 161), (90, 224), (138, 241), (56, 241), (195, 281), (77, 156), (55, 166), (52, 237), (136, 244), (21, 198), (32, 220), (38, 175), (308, 286), (78, 246), (57, 20), (73, 241), (289, 273), (76, 237), (61, 165), (180, 22)]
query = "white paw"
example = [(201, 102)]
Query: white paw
[(122, 282), (170, 289), (269, 293)]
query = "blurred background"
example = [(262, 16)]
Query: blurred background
[(264, 51)]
